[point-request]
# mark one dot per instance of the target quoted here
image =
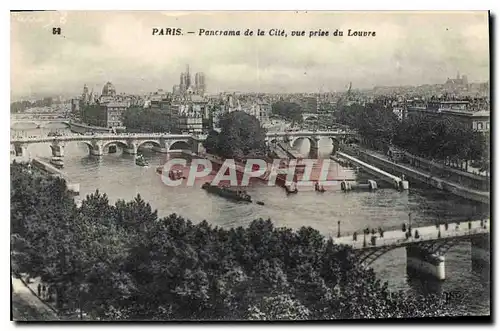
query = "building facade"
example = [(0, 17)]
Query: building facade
[(105, 110), (460, 110)]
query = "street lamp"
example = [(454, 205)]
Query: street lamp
[(409, 223), (338, 229)]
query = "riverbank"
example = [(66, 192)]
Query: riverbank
[(74, 188), (419, 175)]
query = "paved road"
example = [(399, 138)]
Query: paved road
[(26, 306)]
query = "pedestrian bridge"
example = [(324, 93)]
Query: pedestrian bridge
[(426, 252)]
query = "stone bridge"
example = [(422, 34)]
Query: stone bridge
[(99, 143), (336, 137), (38, 123), (425, 253)]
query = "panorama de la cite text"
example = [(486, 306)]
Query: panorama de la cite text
[(261, 32)]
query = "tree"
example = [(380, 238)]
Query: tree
[(287, 110), (123, 262), (241, 136)]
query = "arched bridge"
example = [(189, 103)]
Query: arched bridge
[(336, 137), (428, 250), (130, 143), (37, 123)]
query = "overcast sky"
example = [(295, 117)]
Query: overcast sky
[(409, 49)]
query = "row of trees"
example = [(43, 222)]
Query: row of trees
[(146, 120), (439, 138), (241, 136), (20, 106), (123, 262)]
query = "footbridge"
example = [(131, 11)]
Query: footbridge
[(426, 247)]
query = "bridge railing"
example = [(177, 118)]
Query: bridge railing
[(464, 231)]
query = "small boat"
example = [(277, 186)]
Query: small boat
[(227, 192), (291, 189), (260, 203), (319, 188), (176, 174), (140, 161)]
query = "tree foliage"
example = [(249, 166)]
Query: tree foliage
[(439, 138), (123, 262), (288, 110), (241, 136)]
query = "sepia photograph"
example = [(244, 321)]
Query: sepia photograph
[(250, 166)]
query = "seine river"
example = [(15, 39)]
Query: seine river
[(119, 177)]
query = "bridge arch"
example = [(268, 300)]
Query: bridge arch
[(368, 256), (23, 124), (179, 145), (311, 118), (153, 142), (121, 143), (293, 141), (335, 142)]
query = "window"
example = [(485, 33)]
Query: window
[(487, 125), (479, 125)]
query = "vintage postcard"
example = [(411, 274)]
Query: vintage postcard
[(234, 166)]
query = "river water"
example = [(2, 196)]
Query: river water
[(119, 177)]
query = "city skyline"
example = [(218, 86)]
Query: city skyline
[(96, 47)]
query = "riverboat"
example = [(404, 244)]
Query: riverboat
[(227, 192), (176, 174), (319, 188), (140, 161), (291, 189)]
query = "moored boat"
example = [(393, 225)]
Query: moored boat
[(319, 188), (227, 192), (176, 174), (140, 161), (291, 189)]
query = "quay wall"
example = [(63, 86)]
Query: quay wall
[(415, 174)]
